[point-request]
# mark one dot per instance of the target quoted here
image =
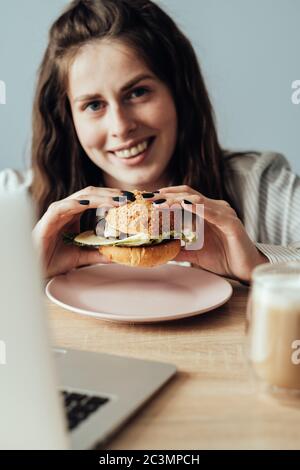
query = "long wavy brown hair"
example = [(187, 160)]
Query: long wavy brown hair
[(60, 165)]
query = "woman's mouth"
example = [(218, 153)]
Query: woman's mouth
[(134, 155)]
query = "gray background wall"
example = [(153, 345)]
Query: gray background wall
[(248, 50)]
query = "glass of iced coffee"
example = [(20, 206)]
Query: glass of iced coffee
[(273, 328)]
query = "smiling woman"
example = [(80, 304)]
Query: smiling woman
[(121, 105), (109, 81), (127, 124)]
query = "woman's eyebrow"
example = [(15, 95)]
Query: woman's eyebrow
[(126, 87)]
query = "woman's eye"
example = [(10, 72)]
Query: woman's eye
[(94, 106), (138, 92)]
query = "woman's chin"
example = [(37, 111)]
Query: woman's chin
[(138, 178), (137, 183)]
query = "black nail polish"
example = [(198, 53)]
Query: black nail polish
[(118, 198), (156, 192), (129, 195), (148, 195), (84, 202), (159, 201), (187, 202)]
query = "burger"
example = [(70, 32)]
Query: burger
[(138, 233)]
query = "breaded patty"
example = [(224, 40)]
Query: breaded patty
[(140, 216)]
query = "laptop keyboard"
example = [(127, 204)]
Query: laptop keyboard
[(79, 407)]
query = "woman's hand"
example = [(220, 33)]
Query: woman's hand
[(64, 216), (227, 248)]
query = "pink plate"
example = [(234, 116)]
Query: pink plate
[(120, 293)]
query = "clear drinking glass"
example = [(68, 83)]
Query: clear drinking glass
[(273, 328)]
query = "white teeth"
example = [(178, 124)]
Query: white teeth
[(133, 151)]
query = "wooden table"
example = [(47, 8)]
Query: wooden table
[(211, 403)]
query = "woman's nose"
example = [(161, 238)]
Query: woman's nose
[(121, 122)]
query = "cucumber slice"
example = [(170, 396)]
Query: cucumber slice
[(90, 239)]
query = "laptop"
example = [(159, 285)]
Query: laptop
[(55, 399)]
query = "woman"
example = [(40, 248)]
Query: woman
[(119, 79)]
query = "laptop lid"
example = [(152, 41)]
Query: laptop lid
[(30, 407)]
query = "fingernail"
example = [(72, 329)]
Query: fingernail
[(130, 196), (148, 195), (156, 192), (159, 201), (118, 198), (187, 202), (84, 202)]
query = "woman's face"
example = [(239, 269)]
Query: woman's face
[(127, 124)]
